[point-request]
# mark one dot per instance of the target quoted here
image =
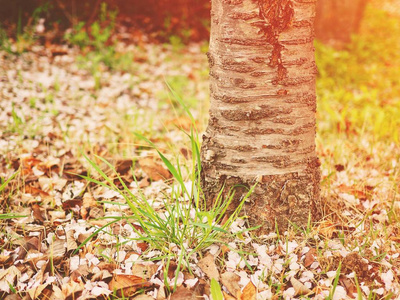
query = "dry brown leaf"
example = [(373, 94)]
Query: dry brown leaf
[(57, 293), (348, 284), (144, 271), (71, 243), (34, 191), (143, 297), (299, 288), (122, 166), (142, 246), (154, 170), (56, 249), (98, 222), (48, 184), (34, 256), (71, 288), (33, 243), (231, 282), (110, 267), (183, 293), (4, 259), (56, 215), (208, 266), (28, 163), (12, 297), (84, 213), (249, 292), (353, 191), (102, 275), (72, 203), (96, 212), (227, 296), (310, 257), (88, 200), (11, 273), (82, 271), (128, 284), (326, 228), (37, 213), (35, 291), (201, 288)]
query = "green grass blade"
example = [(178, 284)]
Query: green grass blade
[(216, 291), (3, 186)]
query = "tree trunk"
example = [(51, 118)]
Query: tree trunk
[(262, 116), (337, 20)]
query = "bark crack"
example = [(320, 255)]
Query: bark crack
[(278, 16)]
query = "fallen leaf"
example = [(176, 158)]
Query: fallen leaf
[(72, 204), (154, 170), (143, 297), (227, 296), (71, 288), (183, 293), (122, 166), (299, 288), (37, 213), (71, 243), (231, 282), (327, 228), (144, 271), (56, 249), (88, 200), (82, 271), (310, 257), (249, 292), (96, 212), (208, 266), (8, 277), (348, 284), (128, 285), (102, 275)]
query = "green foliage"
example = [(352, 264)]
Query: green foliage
[(20, 39), (358, 86), (99, 34), (97, 45), (3, 185)]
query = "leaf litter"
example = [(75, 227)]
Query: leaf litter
[(50, 110)]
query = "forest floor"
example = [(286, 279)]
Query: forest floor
[(63, 109)]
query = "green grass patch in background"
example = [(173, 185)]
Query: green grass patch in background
[(359, 86)]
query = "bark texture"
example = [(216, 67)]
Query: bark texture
[(337, 20), (262, 115)]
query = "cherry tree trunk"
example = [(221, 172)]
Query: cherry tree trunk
[(262, 114)]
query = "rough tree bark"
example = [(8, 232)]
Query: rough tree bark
[(337, 20), (262, 114)]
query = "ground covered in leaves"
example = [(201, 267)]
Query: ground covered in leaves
[(59, 112)]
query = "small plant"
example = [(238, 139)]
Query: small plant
[(3, 185), (186, 227), (22, 38), (99, 34), (97, 45), (335, 282)]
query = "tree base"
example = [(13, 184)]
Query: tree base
[(277, 200)]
